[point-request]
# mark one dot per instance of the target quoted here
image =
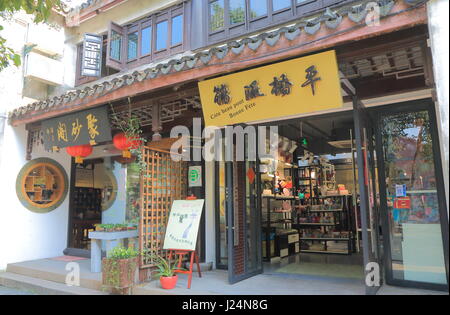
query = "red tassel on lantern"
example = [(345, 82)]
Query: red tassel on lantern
[(124, 144), (79, 152)]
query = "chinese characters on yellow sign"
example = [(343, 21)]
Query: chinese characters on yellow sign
[(281, 90), (87, 127)]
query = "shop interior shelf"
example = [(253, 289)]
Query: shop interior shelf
[(325, 210), (324, 239), (325, 252), (319, 224)]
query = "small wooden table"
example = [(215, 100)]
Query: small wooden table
[(112, 240)]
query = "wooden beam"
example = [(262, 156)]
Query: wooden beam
[(347, 32)]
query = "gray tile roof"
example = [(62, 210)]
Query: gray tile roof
[(328, 18)]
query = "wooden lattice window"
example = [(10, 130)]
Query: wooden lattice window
[(228, 19), (41, 185), (162, 182)]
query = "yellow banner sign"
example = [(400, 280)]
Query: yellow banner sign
[(304, 85)]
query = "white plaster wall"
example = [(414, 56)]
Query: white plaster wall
[(117, 212), (21, 30), (11, 81), (438, 22), (25, 235)]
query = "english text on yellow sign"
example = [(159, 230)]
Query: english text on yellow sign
[(304, 85)]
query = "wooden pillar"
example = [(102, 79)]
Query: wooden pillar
[(156, 122)]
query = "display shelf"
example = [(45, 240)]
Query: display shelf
[(339, 213), (324, 252), (337, 239), (318, 224), (325, 211), (330, 196)]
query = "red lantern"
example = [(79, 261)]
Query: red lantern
[(79, 152), (124, 144)]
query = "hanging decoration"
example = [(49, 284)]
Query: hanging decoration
[(125, 144), (79, 152)]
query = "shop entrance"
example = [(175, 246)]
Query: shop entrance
[(93, 192), (348, 195), (301, 211)]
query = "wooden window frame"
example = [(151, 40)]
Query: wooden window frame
[(79, 79), (152, 21), (168, 14), (272, 18)]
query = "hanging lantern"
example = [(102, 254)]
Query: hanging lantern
[(79, 152), (124, 144)]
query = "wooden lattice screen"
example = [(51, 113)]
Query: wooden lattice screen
[(162, 182)]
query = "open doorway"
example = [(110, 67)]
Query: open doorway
[(94, 191), (310, 205), (307, 204)]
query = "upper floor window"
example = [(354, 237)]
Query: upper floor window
[(231, 18), (159, 35), (105, 70)]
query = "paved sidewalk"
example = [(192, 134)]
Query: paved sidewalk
[(8, 291)]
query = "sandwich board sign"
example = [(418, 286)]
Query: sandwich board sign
[(182, 228)]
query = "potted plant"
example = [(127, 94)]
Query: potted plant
[(166, 272), (119, 269)]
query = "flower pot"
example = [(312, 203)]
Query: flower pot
[(119, 274), (168, 283)]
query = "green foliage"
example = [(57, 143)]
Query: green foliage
[(131, 127), (121, 252), (164, 267), (40, 9), (116, 227), (113, 275)]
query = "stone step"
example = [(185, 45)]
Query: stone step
[(54, 271), (42, 287)]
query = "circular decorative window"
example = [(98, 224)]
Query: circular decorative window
[(42, 185)]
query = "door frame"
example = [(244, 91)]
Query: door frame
[(219, 264), (365, 162), (411, 106), (256, 223)]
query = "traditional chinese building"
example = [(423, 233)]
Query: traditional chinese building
[(318, 69)]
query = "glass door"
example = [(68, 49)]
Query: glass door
[(243, 216), (221, 218), (367, 181), (413, 199)]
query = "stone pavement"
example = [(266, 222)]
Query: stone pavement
[(8, 291)]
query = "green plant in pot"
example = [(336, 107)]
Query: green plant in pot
[(166, 272), (119, 269)]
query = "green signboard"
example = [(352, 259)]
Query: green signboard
[(195, 176)]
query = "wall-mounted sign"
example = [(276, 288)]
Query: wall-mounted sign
[(182, 228), (195, 176), (400, 190), (293, 87), (91, 64), (403, 203), (86, 127)]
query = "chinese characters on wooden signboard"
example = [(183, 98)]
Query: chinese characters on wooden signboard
[(86, 127), (304, 85), (91, 65)]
